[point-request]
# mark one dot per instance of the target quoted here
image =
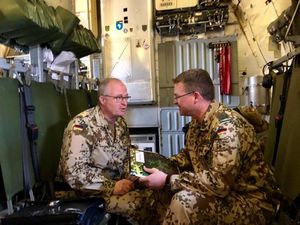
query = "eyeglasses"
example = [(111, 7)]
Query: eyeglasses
[(119, 98), (180, 96)]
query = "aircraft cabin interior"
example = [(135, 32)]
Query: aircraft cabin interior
[(54, 55)]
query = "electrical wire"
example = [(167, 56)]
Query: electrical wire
[(244, 32), (258, 46), (120, 57), (292, 20), (275, 9)]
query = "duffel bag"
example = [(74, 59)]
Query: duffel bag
[(90, 211)]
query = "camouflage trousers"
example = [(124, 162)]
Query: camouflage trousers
[(189, 207), (139, 207)]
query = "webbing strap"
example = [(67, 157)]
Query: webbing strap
[(24, 147), (89, 98), (67, 102), (32, 130), (279, 117)]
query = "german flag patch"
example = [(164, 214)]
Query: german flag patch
[(77, 127), (221, 132)]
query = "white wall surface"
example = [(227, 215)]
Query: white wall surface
[(254, 42)]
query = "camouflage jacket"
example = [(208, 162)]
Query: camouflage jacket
[(92, 157), (222, 156)]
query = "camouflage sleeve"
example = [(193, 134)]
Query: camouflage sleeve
[(126, 172), (182, 160), (125, 138), (218, 176), (77, 167)]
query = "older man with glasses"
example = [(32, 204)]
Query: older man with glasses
[(94, 156)]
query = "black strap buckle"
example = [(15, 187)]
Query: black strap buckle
[(30, 108), (33, 132)]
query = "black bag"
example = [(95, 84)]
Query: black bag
[(90, 211), (291, 212)]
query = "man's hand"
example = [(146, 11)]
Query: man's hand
[(123, 186), (156, 179)]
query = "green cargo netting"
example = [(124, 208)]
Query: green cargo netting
[(33, 22)]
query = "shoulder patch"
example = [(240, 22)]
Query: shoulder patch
[(224, 120), (223, 117)]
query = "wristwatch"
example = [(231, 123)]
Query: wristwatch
[(167, 183)]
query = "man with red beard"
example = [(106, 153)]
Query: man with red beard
[(94, 157)]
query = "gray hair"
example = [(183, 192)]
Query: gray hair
[(103, 85)]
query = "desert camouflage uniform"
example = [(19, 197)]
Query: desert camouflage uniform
[(226, 180), (93, 159), (260, 125)]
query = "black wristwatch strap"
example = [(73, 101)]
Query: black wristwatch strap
[(168, 179)]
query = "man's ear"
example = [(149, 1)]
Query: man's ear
[(198, 96), (101, 99)]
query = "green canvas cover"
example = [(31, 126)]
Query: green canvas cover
[(25, 23), (13, 15), (82, 42), (275, 105), (94, 97), (287, 164), (28, 22), (10, 137), (51, 118), (68, 21), (77, 101)]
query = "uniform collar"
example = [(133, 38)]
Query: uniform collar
[(214, 105), (212, 108), (100, 117)]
